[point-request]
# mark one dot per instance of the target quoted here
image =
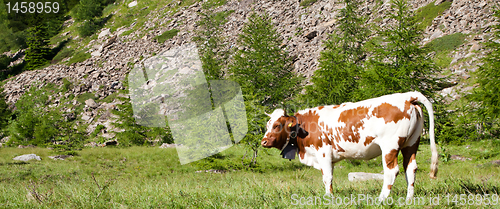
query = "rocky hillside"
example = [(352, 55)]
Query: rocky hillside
[(303, 30)]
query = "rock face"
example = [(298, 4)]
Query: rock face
[(361, 176), (27, 157), (303, 30)]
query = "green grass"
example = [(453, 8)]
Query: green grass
[(426, 14), (443, 46), (166, 35), (306, 3), (79, 57), (64, 53), (149, 177)]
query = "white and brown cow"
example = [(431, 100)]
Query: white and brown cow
[(362, 130)]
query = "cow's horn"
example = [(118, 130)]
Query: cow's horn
[(284, 109), (267, 114)]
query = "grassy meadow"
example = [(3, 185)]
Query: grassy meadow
[(150, 177)]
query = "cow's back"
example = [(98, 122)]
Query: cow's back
[(355, 130)]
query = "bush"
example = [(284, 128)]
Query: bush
[(88, 9), (88, 28)]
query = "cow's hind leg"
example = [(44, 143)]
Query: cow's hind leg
[(391, 169), (410, 166)]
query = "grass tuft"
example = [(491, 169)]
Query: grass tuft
[(166, 35)]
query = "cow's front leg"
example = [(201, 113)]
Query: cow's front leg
[(327, 172), (326, 166)]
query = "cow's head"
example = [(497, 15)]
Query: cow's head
[(279, 129)]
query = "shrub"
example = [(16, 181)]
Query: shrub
[(88, 28)]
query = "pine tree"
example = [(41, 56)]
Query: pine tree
[(488, 92), (341, 62), (265, 73), (400, 63), (262, 67), (38, 50)]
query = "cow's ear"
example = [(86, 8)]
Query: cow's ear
[(301, 132)]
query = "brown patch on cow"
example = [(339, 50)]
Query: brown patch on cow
[(309, 122), (391, 113), (322, 172), (368, 140), (401, 141), (339, 149), (391, 159), (389, 187), (352, 119), (331, 188), (411, 184), (410, 153), (321, 107), (324, 155)]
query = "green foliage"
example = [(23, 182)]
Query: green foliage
[(79, 57), (265, 73), (88, 9), (32, 124), (306, 3), (97, 130), (64, 53), (401, 65), (426, 14), (89, 27), (213, 3), (134, 133), (342, 60), (208, 37), (38, 50), (67, 85), (4, 61), (487, 95), (262, 67), (166, 35), (5, 113)]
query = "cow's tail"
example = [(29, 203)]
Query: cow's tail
[(434, 158)]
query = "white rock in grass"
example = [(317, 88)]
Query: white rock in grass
[(132, 4), (361, 176), (104, 33), (27, 157)]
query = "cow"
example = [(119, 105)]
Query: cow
[(383, 126)]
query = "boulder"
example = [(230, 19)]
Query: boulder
[(132, 4), (361, 176), (104, 33), (27, 157), (91, 103)]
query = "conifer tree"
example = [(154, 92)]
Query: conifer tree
[(38, 50), (341, 62), (265, 73), (400, 63), (487, 95), (262, 67)]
